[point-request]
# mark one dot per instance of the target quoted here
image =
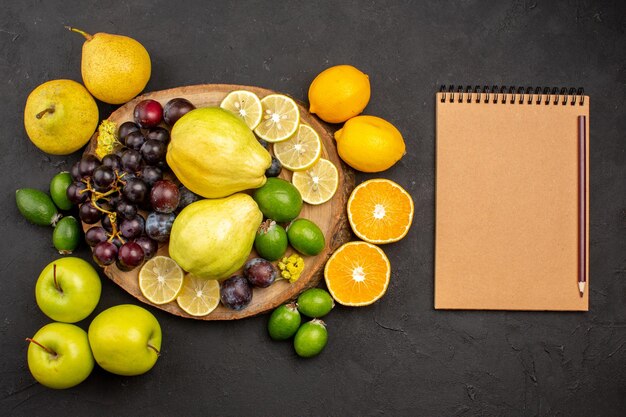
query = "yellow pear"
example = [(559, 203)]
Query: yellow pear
[(60, 116), (115, 68)]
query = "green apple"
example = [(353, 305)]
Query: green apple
[(125, 339), (68, 290), (59, 355)]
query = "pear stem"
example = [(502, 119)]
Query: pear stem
[(44, 111), (50, 351), (82, 32), (54, 275), (155, 349)]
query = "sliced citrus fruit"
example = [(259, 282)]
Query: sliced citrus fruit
[(244, 104), (317, 184), (380, 211), (357, 274), (199, 296), (160, 280), (280, 118), (300, 151)]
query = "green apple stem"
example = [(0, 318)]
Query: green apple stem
[(82, 32), (155, 349), (44, 111), (50, 351), (54, 275)]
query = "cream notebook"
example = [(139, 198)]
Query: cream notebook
[(507, 199)]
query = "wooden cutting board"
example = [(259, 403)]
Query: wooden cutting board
[(330, 216)]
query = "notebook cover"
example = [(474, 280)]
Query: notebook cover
[(507, 206)]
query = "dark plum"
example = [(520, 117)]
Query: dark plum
[(95, 235), (159, 226), (260, 272), (175, 109), (112, 161), (160, 134), (132, 228), (148, 113), (135, 140), (164, 196), (103, 178), (88, 213), (274, 169), (148, 245), (131, 160), (151, 174), (153, 151), (77, 193), (125, 129), (105, 253), (88, 165), (130, 255), (125, 209), (135, 190), (235, 292), (186, 197)]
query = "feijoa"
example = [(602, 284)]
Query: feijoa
[(311, 338), (37, 207), (284, 322), (271, 240), (315, 302), (66, 235), (279, 200), (306, 237), (58, 190)]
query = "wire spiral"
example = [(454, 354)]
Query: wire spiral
[(512, 95)]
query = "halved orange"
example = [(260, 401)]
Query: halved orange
[(357, 274), (380, 211)]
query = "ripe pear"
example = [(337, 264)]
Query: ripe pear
[(115, 68), (60, 116)]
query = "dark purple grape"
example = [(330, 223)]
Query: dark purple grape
[(260, 272), (103, 178), (164, 196), (235, 292), (186, 197), (75, 171), (274, 169), (125, 209), (148, 113), (175, 109), (106, 223), (135, 140), (151, 174), (135, 190), (130, 255), (112, 161), (125, 129), (89, 214), (87, 165), (95, 235), (105, 253), (149, 246), (153, 151), (117, 242), (131, 160), (114, 199), (77, 193), (132, 228), (159, 226), (263, 143), (160, 134)]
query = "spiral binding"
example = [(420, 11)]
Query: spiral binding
[(512, 95)]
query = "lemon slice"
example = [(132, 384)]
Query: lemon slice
[(317, 184), (160, 280), (280, 119), (199, 296), (244, 104), (300, 151)]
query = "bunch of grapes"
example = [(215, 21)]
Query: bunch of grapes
[(118, 189)]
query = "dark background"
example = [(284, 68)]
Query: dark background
[(399, 356)]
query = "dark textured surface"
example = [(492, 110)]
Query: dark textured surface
[(398, 357)]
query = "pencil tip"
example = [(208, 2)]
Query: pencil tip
[(581, 288)]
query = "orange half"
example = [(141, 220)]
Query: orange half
[(380, 211), (357, 274)]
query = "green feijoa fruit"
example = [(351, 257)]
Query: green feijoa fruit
[(306, 237), (311, 338), (58, 190), (284, 322), (315, 302), (271, 240), (66, 235), (37, 207), (278, 199)]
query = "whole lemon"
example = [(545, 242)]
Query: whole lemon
[(339, 93), (369, 143), (115, 68), (60, 116)]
